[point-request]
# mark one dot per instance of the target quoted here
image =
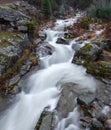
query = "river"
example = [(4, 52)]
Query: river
[(45, 84)]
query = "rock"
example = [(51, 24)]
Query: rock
[(45, 121), (86, 54), (14, 80), (37, 41), (44, 49), (22, 28), (62, 41), (66, 102), (102, 117), (86, 98), (11, 61), (76, 47), (25, 68), (108, 123), (96, 125)]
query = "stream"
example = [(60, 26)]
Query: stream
[(45, 85)]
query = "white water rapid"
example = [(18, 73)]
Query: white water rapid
[(45, 84)]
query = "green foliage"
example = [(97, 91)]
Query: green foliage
[(101, 9), (46, 8)]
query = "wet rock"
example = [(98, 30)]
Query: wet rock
[(45, 121), (62, 41), (66, 102), (76, 47)]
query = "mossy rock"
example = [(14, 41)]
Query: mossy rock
[(86, 54), (100, 69)]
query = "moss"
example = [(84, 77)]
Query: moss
[(85, 48)]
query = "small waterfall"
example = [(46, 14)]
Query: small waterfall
[(45, 85)]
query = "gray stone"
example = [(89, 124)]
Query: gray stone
[(46, 122), (25, 68), (86, 98), (14, 80), (22, 28), (66, 102)]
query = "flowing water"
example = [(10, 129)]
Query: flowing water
[(44, 85)]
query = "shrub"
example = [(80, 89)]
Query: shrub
[(100, 9)]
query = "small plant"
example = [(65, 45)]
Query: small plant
[(85, 23)]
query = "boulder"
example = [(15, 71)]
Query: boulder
[(88, 53), (66, 102)]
